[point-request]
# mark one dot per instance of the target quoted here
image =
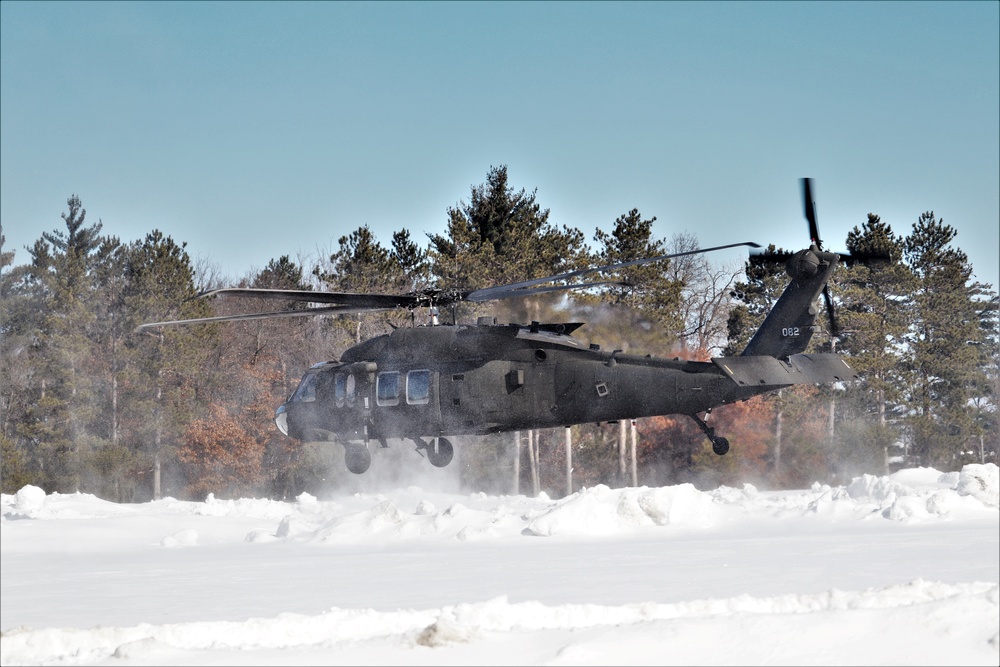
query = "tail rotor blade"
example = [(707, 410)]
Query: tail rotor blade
[(810, 211), (834, 329)]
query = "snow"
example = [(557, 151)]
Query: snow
[(883, 570)]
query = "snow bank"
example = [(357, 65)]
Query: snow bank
[(982, 482), (922, 494), (925, 493), (972, 609), (603, 511)]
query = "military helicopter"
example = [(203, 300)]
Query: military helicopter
[(426, 383)]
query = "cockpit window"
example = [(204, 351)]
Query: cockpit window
[(340, 389), (418, 387), (388, 388), (306, 393)]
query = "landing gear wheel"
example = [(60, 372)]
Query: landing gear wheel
[(440, 454), (357, 458), (720, 446)]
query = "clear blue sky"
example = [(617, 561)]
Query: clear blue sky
[(254, 130)]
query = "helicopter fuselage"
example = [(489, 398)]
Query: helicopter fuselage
[(480, 379)]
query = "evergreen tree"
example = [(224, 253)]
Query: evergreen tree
[(874, 319), (947, 346), (985, 402), (363, 265), (280, 273), (52, 321), (168, 367), (647, 290), (16, 370), (501, 236), (412, 261)]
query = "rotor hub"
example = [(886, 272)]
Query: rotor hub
[(803, 265)]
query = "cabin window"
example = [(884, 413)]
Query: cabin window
[(340, 389), (306, 393), (351, 389), (418, 387), (387, 388)]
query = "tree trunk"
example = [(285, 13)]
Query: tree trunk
[(156, 473), (635, 470), (157, 439), (777, 439), (536, 484), (833, 399), (569, 461), (114, 409), (881, 423), (533, 458), (517, 463), (621, 451)]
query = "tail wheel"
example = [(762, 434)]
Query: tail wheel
[(357, 458), (440, 453), (720, 446)]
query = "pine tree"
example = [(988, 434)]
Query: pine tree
[(363, 265), (499, 237), (17, 339), (646, 288), (52, 318), (874, 318), (412, 261), (169, 366), (947, 346)]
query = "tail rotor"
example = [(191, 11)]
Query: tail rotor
[(809, 204)]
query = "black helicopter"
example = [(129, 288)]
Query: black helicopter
[(425, 383)]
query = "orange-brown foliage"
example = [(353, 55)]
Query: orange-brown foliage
[(220, 456), (673, 449)]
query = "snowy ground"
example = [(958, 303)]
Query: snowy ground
[(891, 570)]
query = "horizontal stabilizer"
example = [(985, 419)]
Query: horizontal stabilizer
[(800, 369)]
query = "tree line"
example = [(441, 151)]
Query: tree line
[(87, 404)]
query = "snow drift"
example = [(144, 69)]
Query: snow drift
[(902, 568)]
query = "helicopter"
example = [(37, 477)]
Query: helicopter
[(427, 383)]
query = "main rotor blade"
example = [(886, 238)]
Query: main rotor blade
[(530, 291), (349, 302), (343, 310), (382, 301), (518, 289), (810, 211)]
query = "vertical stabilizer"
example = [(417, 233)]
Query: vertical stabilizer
[(791, 323)]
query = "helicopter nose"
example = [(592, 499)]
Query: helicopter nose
[(281, 419)]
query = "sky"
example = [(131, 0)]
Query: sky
[(255, 130), (902, 570)]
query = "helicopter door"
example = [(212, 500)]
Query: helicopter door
[(357, 384)]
